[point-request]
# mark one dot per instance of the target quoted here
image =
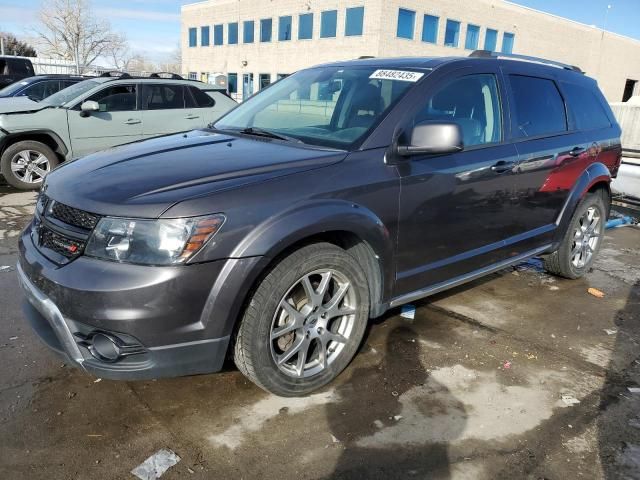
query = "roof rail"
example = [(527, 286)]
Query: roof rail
[(524, 58), (115, 73), (172, 76)]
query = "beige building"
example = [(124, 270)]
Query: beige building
[(255, 42)]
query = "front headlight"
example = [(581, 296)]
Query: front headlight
[(151, 242)]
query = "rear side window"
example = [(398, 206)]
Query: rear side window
[(586, 109), (202, 100), (539, 108), (117, 98), (163, 97)]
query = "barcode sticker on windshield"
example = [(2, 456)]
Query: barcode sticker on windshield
[(402, 75)]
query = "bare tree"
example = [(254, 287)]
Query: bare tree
[(69, 30), (118, 53)]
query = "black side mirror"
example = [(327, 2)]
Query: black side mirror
[(433, 138)]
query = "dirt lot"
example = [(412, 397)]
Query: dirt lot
[(471, 388)]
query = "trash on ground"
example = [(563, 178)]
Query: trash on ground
[(13, 338), (610, 331), (6, 268), (634, 389), (334, 439), (378, 423), (397, 417), (506, 365), (394, 393), (619, 222), (596, 293), (97, 380), (408, 311), (156, 465), (554, 288), (569, 399)]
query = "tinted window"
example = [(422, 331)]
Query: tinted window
[(162, 97), (284, 28), (204, 36), (406, 22), (491, 40), (19, 67), (473, 103), (218, 34), (248, 28), (41, 90), (202, 100), (430, 29), (354, 21), (266, 25), (232, 37), (539, 109), (305, 26), (328, 22), (452, 33), (586, 109), (193, 37), (71, 93), (473, 36), (117, 98)]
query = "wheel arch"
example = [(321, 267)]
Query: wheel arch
[(47, 137)]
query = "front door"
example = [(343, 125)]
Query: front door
[(118, 121), (457, 210)]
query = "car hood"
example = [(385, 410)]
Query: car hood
[(144, 179), (10, 105)]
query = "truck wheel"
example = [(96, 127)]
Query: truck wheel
[(304, 322), (25, 164), (582, 241)]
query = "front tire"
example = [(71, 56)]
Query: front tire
[(25, 164), (582, 240), (304, 322)]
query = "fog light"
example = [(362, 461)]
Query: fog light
[(104, 348), (107, 347)]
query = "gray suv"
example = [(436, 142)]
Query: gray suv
[(97, 114)]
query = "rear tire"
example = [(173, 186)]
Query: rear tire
[(304, 322), (25, 164), (582, 240)]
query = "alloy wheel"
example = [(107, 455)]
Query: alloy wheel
[(30, 166), (586, 237)]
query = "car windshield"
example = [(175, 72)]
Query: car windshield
[(331, 107), (70, 93), (13, 88)]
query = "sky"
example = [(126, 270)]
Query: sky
[(153, 26)]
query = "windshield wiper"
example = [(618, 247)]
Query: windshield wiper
[(260, 132)]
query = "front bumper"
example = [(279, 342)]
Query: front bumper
[(158, 310)]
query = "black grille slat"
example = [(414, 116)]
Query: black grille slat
[(73, 216), (60, 244)]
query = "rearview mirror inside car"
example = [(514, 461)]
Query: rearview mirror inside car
[(432, 138)]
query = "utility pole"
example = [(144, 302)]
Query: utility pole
[(1, 45)]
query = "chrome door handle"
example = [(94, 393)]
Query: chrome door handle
[(191, 117), (577, 151), (503, 166), (133, 121)]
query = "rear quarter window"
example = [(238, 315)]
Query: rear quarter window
[(539, 108), (202, 100), (585, 107)]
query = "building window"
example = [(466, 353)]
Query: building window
[(247, 85), (193, 75), (204, 36), (507, 42), (193, 37), (305, 26), (248, 28), (491, 40), (264, 79), (452, 33), (473, 36), (232, 33), (354, 22), (266, 26), (430, 29), (284, 28), (406, 22), (232, 82), (328, 23), (218, 34)]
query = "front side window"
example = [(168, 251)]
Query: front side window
[(232, 33), (305, 26), (587, 110), (162, 97), (41, 90), (473, 103), (331, 107), (218, 34), (248, 29), (406, 23), (507, 42), (473, 36), (284, 28), (116, 98), (354, 21), (328, 23), (204, 36), (193, 37), (452, 33), (430, 29), (539, 108), (491, 40), (266, 27)]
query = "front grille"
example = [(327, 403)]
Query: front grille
[(74, 216), (62, 245)]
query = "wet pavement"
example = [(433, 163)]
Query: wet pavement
[(471, 388)]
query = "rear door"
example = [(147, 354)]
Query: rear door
[(165, 109), (119, 120), (551, 151)]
